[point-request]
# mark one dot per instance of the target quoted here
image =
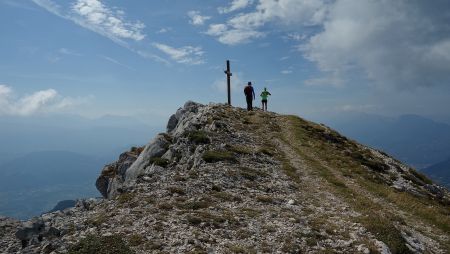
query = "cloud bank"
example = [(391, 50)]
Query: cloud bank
[(402, 43), (38, 102)]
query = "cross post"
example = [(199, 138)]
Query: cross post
[(229, 74)]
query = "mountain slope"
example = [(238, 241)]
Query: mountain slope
[(440, 172), (224, 180), (413, 139)]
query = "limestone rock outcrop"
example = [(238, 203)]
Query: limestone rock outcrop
[(224, 180)]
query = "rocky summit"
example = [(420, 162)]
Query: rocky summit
[(225, 180)]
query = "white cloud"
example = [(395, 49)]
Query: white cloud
[(232, 36), (285, 72), (197, 19), (68, 52), (186, 55), (245, 27), (235, 5), (41, 101), (164, 30), (97, 17), (394, 44)]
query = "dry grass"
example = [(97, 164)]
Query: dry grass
[(335, 163), (216, 156)]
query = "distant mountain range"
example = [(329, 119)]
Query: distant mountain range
[(440, 172), (99, 137), (44, 160)]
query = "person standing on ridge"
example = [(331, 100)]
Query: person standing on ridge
[(264, 96), (249, 95)]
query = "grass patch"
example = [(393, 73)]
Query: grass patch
[(126, 197), (225, 196), (165, 206), (179, 178), (154, 245), (385, 231), (235, 248), (249, 173), (215, 156), (420, 176), (159, 161), (101, 245), (267, 150), (365, 158), (209, 219), (97, 220), (198, 137), (239, 149), (194, 220), (137, 150), (195, 205), (135, 240), (176, 190), (250, 212), (265, 199)]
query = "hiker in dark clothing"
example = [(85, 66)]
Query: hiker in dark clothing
[(249, 95)]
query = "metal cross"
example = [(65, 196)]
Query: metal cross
[(229, 74)]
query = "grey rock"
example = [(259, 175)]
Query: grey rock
[(33, 232), (172, 123), (156, 148), (102, 184), (30, 229), (113, 175)]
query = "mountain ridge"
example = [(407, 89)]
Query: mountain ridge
[(224, 180)]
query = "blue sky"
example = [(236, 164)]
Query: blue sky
[(146, 58)]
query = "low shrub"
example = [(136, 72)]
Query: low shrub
[(420, 176), (177, 190), (198, 137), (136, 240), (215, 156), (159, 161), (195, 205), (264, 199), (100, 245)]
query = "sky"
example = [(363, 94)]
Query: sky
[(146, 58)]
